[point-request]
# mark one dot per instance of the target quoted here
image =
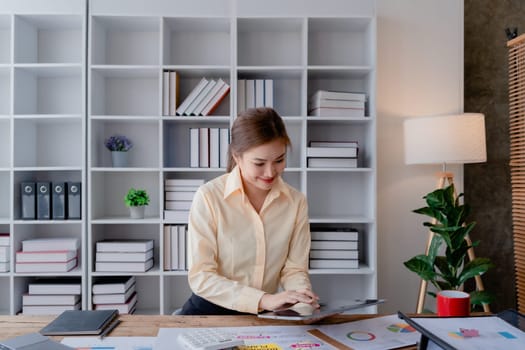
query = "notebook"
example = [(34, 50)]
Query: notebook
[(32, 341), (80, 322)]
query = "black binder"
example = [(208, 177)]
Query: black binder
[(74, 200), (43, 201), (81, 322), (58, 200), (28, 201)]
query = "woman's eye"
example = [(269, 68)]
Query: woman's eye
[(279, 160), (259, 164)]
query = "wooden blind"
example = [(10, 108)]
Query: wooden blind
[(517, 158)]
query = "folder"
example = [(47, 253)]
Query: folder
[(28, 200), (43, 201), (74, 200), (58, 200)]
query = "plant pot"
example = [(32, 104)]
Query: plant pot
[(119, 159), (137, 212)]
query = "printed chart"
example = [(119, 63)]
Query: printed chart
[(110, 343)]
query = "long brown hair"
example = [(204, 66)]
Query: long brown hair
[(255, 127)]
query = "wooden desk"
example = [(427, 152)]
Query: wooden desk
[(146, 325)]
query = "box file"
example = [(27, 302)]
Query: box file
[(43, 200), (74, 200), (58, 200), (28, 200)]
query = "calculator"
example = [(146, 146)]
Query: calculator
[(208, 339)]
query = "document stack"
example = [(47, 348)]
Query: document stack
[(52, 296), (325, 103), (47, 255), (178, 196), (334, 249), (115, 292), (330, 154), (175, 242), (209, 147), (204, 98), (253, 93), (124, 255), (5, 243)]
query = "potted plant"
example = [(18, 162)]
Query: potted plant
[(452, 270), (136, 200), (119, 145)]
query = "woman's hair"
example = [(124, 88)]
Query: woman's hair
[(255, 127)]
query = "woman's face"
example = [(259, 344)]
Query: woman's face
[(261, 165)]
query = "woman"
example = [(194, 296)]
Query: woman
[(249, 230)]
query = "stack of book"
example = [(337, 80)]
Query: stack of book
[(334, 249), (325, 103), (326, 154), (204, 98), (209, 147), (178, 195), (175, 241), (51, 296), (115, 292), (170, 92), (5, 243), (47, 255), (124, 255), (253, 93)]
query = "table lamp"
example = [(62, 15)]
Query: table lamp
[(445, 139)]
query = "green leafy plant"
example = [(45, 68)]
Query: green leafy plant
[(452, 270), (136, 197)]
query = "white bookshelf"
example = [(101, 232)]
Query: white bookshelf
[(42, 124), (302, 47)]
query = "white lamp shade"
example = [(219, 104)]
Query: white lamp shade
[(445, 139)]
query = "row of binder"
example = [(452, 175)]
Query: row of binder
[(50, 200)]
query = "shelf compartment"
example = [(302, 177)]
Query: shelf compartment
[(294, 179), (126, 92), (196, 41), (340, 41), (5, 143), (340, 194), (43, 176), (294, 129), (49, 39), (176, 292), (48, 142), (144, 134), (270, 41), (5, 204), (176, 136), (287, 87), (5, 89), (48, 90), (108, 190), (125, 40)]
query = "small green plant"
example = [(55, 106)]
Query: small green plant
[(136, 198)]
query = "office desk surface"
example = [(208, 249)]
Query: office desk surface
[(148, 325)]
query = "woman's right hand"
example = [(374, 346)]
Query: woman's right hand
[(287, 299)]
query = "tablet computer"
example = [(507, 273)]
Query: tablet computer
[(304, 312)]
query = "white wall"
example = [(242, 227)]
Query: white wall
[(420, 72)]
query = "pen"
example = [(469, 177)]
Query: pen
[(109, 328)]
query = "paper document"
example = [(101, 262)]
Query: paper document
[(110, 343)]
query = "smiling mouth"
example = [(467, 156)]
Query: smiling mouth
[(268, 181)]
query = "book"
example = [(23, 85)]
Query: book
[(46, 256), (194, 147), (5, 239), (123, 308), (196, 90), (80, 322), (337, 112), (165, 92), (112, 284), (125, 245), (124, 256), (204, 147), (181, 188), (124, 266), (4, 253), (183, 182), (325, 162), (336, 235), (173, 97), (181, 234), (48, 309), (331, 103), (334, 263), (54, 286), (268, 93), (177, 205), (4, 266), (46, 267), (47, 244), (336, 245), (176, 215), (334, 254), (250, 93), (167, 247), (214, 147), (224, 145), (259, 93), (209, 96), (241, 95), (198, 99), (179, 195), (338, 95), (333, 144), (331, 152), (174, 249), (49, 299), (114, 298), (216, 100)]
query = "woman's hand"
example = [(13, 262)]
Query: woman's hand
[(288, 298)]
